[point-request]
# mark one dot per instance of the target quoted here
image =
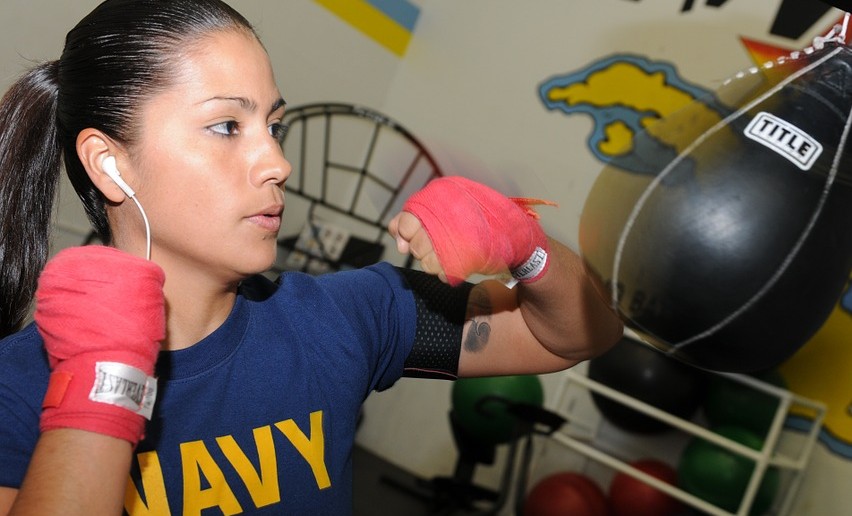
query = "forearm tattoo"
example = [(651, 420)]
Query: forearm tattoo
[(479, 312)]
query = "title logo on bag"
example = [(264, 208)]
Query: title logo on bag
[(784, 138)]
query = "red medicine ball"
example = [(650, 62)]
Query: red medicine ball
[(566, 493), (630, 496)]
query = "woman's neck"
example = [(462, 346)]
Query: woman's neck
[(195, 307)]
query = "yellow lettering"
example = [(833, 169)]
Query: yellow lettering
[(196, 460), (263, 488), (152, 484), (312, 449)]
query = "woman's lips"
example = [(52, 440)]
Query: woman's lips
[(269, 219), (267, 222)]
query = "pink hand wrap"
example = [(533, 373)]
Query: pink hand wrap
[(101, 313), (476, 230)]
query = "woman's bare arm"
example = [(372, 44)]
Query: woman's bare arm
[(72, 472)]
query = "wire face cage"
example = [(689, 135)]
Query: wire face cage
[(353, 168)]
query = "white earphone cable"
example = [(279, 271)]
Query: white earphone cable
[(147, 228)]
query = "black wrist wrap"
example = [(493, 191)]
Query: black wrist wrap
[(441, 313)]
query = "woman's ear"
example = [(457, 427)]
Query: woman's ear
[(93, 147)]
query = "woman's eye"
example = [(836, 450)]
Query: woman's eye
[(278, 131), (229, 128)]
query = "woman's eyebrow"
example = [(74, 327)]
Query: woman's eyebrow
[(248, 104), (278, 104)]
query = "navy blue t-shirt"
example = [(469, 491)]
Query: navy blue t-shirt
[(260, 416)]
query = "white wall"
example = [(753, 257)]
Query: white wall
[(468, 88)]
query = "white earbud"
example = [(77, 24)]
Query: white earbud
[(111, 170)]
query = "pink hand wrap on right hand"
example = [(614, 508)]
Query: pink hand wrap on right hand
[(477, 230), (101, 313)]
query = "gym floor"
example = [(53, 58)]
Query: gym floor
[(384, 489), (373, 492)]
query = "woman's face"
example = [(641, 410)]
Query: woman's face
[(210, 170)]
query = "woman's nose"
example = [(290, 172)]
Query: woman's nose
[(273, 167)]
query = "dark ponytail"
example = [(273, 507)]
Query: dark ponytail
[(29, 173), (116, 58)]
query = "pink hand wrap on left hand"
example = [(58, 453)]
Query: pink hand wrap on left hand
[(101, 313), (477, 230)]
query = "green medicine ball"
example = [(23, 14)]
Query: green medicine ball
[(720, 476), (489, 421), (732, 403)]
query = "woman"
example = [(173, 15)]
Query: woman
[(171, 105)]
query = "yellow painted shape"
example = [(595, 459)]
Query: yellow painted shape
[(625, 84), (372, 22), (822, 371)]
